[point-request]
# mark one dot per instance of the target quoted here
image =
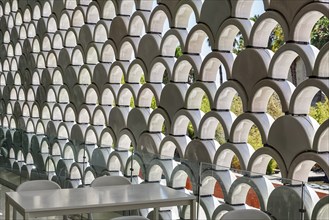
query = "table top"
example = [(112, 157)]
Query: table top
[(97, 197)]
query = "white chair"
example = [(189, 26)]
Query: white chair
[(253, 214), (34, 185), (111, 181)]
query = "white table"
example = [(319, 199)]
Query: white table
[(99, 199)]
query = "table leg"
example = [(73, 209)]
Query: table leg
[(193, 210), (156, 214), (7, 209)]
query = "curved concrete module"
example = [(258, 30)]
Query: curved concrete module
[(224, 154), (93, 134), (69, 151), (212, 64), (225, 94), (18, 50), (305, 19), (109, 52), (108, 94), (263, 91), (78, 95), (85, 152), (160, 70), (108, 9), (99, 159), (321, 209), (291, 146), (52, 93), (197, 92), (63, 169), (134, 166), (240, 188), (137, 120), (241, 126), (321, 65), (93, 51), (149, 48), (57, 76), (209, 179), (160, 170), (286, 198), (286, 54), (64, 94), (86, 36), (150, 142), (100, 115), (227, 32), (64, 19), (259, 160), (182, 71), (180, 174), (57, 148), (41, 126), (52, 57), (119, 29), (78, 16), (52, 24), (78, 57), (208, 205), (127, 93), (26, 109), (138, 23), (93, 13), (99, 75), (118, 118), (6, 93), (41, 28), (82, 171), (70, 113), (92, 95), (159, 121), (303, 95), (107, 138), (160, 17), (302, 164), (147, 93), (263, 27), (64, 130), (196, 38), (84, 113), (210, 122), (181, 120), (101, 31), (126, 8), (64, 60), (40, 60), (87, 177), (117, 161), (10, 50), (37, 10), (183, 12), (118, 71), (27, 14), (57, 112), (31, 29), (135, 72), (71, 76), (71, 37), (224, 208), (201, 151), (126, 140), (248, 75), (321, 138)]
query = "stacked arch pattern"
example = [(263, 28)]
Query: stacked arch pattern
[(83, 82)]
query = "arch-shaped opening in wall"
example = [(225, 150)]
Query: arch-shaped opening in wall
[(186, 15), (126, 7), (127, 50), (78, 17), (93, 14), (137, 24), (108, 96), (159, 20), (100, 34), (64, 21), (148, 96), (199, 41), (117, 72), (109, 10), (46, 9)]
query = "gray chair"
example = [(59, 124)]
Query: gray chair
[(34, 185), (111, 181), (247, 214)]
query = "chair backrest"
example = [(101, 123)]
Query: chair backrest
[(110, 181), (253, 214), (37, 185)]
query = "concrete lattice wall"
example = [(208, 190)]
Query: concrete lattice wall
[(63, 64)]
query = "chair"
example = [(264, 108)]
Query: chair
[(253, 214), (34, 185), (112, 181)]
